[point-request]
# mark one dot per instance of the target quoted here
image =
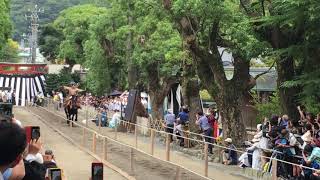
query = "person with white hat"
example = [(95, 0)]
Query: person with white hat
[(229, 155)]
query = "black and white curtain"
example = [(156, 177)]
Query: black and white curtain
[(25, 87)]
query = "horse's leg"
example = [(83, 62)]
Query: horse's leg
[(76, 114)]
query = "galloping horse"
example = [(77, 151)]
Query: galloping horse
[(71, 107)]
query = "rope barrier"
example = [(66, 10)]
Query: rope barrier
[(214, 145)]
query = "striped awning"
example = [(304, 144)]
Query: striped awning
[(24, 86)]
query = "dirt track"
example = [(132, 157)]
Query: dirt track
[(75, 163), (145, 167)]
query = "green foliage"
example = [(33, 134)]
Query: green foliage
[(10, 52), (56, 81), (5, 23), (49, 41), (204, 94), (51, 11), (267, 109), (74, 24)]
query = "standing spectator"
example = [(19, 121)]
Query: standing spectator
[(12, 143), (184, 115), (170, 119), (206, 129), (56, 101), (229, 156), (61, 99)]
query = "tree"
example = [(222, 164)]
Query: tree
[(9, 52), (51, 11), (5, 24), (49, 41), (291, 29), (74, 23), (158, 52), (206, 26)]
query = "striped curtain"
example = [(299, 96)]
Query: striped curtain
[(24, 86)]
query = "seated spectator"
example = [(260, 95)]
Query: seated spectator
[(229, 156), (12, 143)]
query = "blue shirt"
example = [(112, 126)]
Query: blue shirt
[(184, 117), (233, 154), (204, 123), (170, 119), (6, 175)]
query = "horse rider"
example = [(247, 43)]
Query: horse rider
[(73, 91)]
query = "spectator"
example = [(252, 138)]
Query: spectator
[(12, 143), (170, 119), (229, 156), (206, 129)]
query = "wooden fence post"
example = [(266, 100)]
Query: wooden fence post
[(168, 147), (274, 169), (152, 141), (178, 173), (136, 135), (94, 144), (206, 159), (86, 115), (104, 149), (83, 137), (131, 160), (116, 131)]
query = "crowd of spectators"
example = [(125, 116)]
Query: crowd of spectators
[(19, 159), (295, 143)]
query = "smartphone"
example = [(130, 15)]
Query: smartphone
[(55, 174), (32, 132), (97, 171)]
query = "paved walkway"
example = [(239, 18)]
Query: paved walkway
[(75, 163)]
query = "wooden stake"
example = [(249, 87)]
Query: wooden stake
[(168, 147), (83, 137), (104, 148), (152, 141), (94, 143), (206, 159), (178, 174), (136, 135), (131, 160), (116, 132), (274, 169)]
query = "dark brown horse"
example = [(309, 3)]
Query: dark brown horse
[(71, 106)]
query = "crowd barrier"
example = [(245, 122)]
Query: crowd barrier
[(113, 139), (131, 158)]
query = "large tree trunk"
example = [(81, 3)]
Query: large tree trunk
[(157, 105), (132, 68), (285, 69), (190, 94), (286, 72)]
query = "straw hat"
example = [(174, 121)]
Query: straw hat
[(229, 140)]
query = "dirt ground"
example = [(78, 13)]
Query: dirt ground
[(75, 163), (145, 167)]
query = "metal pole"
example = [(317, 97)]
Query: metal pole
[(136, 135)]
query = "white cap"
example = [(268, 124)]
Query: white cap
[(229, 140)]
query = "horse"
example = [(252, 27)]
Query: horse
[(71, 107)]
